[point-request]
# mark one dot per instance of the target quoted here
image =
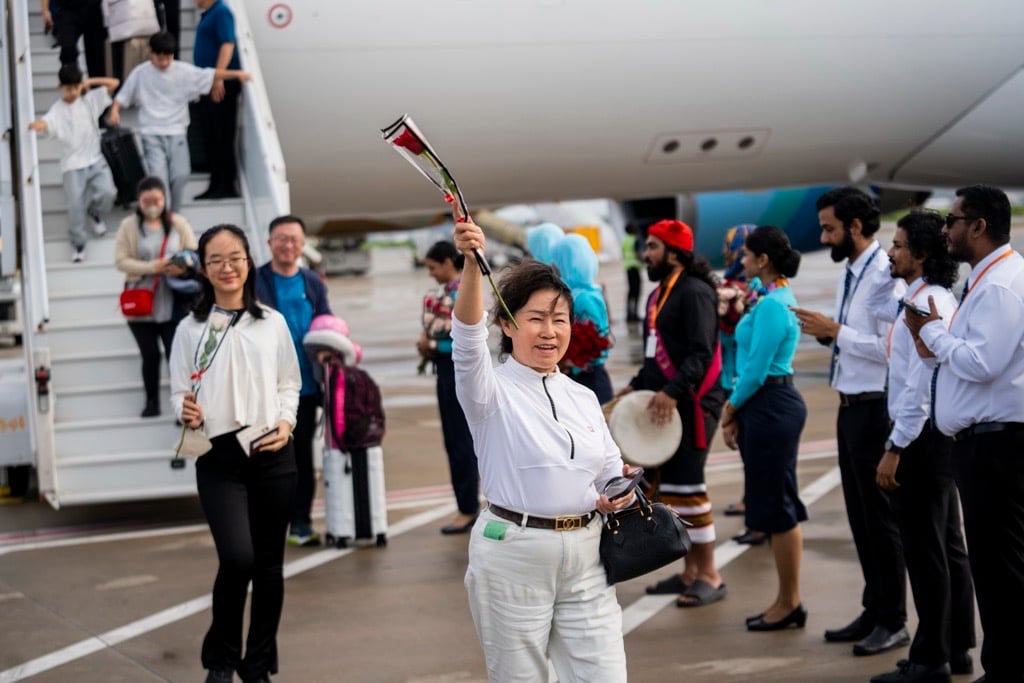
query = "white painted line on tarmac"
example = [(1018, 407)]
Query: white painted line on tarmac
[(649, 605), (184, 610), (397, 500)]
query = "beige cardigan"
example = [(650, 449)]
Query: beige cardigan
[(126, 246)]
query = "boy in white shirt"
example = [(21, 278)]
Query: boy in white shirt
[(162, 89), (88, 185)]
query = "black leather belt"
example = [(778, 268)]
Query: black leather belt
[(849, 399), (557, 523), (778, 379), (987, 428)]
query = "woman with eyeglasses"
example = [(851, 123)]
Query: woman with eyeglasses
[(145, 242), (537, 588), (240, 354)]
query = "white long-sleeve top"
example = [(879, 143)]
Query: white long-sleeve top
[(981, 356), (862, 338), (530, 460), (910, 377), (253, 379)]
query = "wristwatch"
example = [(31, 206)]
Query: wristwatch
[(890, 447)]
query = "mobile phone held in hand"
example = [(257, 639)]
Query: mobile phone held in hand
[(914, 309), (618, 487), (255, 444)]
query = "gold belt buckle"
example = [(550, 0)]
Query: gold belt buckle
[(568, 523)]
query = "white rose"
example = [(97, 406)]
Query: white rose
[(219, 321)]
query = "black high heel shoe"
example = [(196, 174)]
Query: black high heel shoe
[(798, 618)]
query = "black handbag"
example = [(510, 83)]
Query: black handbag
[(642, 538)]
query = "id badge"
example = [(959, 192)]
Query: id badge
[(651, 345)]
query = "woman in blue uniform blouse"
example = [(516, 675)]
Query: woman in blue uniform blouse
[(765, 415)]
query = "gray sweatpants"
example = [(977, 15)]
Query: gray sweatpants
[(90, 189), (168, 159)]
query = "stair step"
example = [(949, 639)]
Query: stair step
[(135, 475), (98, 250), (74, 369), (84, 305), (201, 215), (105, 401), (110, 436), (74, 336), (52, 193), (66, 276)]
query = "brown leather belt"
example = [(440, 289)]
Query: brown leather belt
[(556, 523)]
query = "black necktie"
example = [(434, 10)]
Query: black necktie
[(839, 317)]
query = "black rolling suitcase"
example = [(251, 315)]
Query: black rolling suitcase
[(125, 162)]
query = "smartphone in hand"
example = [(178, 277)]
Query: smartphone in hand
[(618, 487), (914, 309)]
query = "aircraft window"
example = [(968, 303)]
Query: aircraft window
[(670, 146), (745, 142), (709, 144)]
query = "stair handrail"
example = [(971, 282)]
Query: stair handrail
[(37, 301), (261, 161), (35, 294)]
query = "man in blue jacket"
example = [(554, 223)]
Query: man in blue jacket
[(299, 295)]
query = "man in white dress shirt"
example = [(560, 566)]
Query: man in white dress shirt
[(979, 401), (917, 468), (849, 220)]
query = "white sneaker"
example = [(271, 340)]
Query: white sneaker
[(99, 228), (79, 255)]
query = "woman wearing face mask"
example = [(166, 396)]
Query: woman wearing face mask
[(142, 250)]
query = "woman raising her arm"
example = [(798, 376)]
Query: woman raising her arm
[(536, 585)]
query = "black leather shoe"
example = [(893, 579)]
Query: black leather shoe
[(751, 538), (858, 629), (881, 640), (909, 672), (960, 663), (452, 529), (798, 617), (220, 676), (152, 409)]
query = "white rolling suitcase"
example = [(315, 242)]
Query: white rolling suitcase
[(353, 460), (354, 496)]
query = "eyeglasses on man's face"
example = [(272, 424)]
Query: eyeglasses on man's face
[(219, 264), (952, 218)]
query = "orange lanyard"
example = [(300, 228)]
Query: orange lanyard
[(975, 284), (888, 342), (661, 301)]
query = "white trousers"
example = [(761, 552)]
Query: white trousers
[(539, 593)]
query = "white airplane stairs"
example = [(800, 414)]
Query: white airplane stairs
[(93, 446)]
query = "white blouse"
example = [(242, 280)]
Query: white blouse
[(540, 439), (253, 379)]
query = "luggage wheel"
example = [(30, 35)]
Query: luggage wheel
[(341, 542), (382, 540)]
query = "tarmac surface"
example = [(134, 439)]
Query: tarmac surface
[(121, 592)]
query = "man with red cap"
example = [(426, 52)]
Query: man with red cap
[(682, 363)]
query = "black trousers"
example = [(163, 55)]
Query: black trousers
[(928, 513), (304, 433), (172, 12), (219, 125), (458, 442), (246, 501), (861, 430), (85, 20), (990, 475), (632, 294), (149, 336), (598, 381)]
